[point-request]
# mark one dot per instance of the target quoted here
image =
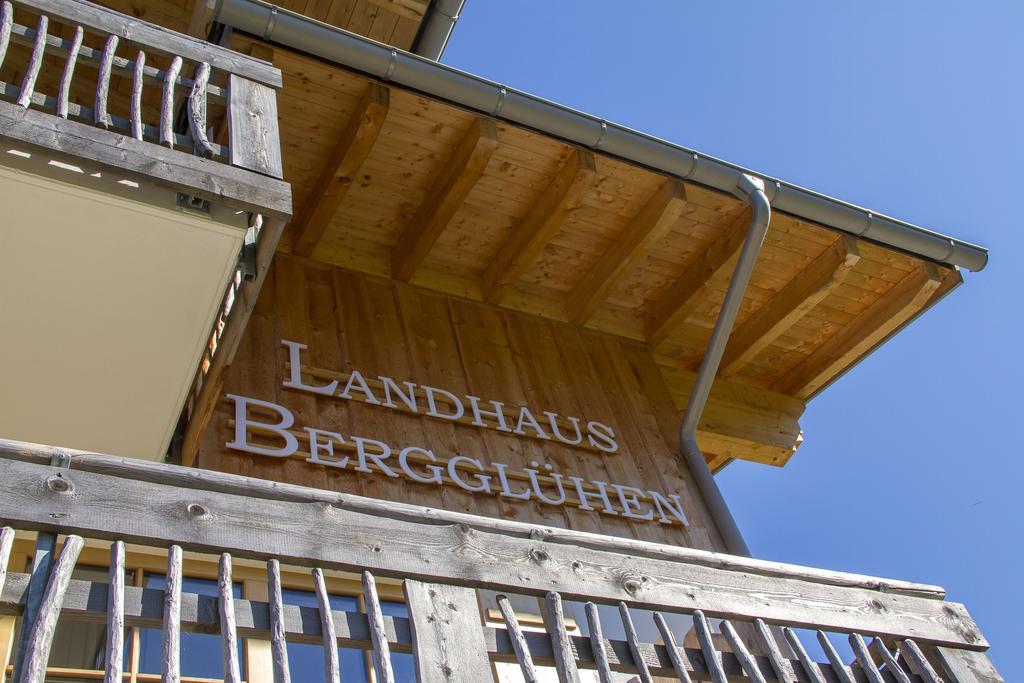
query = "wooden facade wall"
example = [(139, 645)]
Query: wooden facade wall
[(355, 322)]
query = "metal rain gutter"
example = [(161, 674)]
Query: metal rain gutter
[(750, 189), (492, 99), (436, 29)]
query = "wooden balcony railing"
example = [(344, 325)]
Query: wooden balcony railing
[(80, 80), (899, 631)]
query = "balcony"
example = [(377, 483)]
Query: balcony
[(141, 178), (716, 617)]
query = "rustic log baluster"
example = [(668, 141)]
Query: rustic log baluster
[(707, 646), (842, 674), (677, 657), (278, 644), (69, 71), (6, 21), (747, 661), (332, 668), (37, 650), (197, 111), (135, 111), (35, 62), (115, 615), (891, 665), (565, 659), (515, 634), (633, 640), (101, 117), (913, 653), (779, 666), (604, 669), (809, 666), (167, 104), (381, 650), (172, 617), (864, 658), (6, 543), (228, 634)]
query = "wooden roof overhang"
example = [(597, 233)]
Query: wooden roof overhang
[(396, 184)]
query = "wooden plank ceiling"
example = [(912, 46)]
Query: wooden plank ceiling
[(393, 184)]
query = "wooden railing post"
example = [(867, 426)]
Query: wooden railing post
[(448, 638), (254, 140)]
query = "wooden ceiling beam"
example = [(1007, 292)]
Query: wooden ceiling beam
[(652, 223), (341, 170), (678, 302), (538, 227), (449, 190), (873, 326), (809, 288)]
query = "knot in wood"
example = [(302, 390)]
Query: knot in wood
[(197, 511), (538, 555), (58, 483), (537, 535), (463, 529), (632, 585)]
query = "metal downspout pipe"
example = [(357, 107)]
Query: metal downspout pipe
[(437, 28), (750, 189)]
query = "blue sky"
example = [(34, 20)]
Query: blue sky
[(911, 466)]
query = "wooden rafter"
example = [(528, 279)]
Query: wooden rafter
[(342, 168), (649, 225), (793, 302), (540, 225), (444, 198), (199, 21), (682, 297), (881, 319)]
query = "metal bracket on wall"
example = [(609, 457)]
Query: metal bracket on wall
[(193, 205)]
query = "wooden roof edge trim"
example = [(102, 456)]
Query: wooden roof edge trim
[(486, 97)]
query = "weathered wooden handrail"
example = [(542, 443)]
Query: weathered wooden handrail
[(206, 480), (440, 558)]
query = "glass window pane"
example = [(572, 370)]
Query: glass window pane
[(80, 644), (306, 661), (401, 662), (200, 652)]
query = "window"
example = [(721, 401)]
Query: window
[(306, 662), (200, 652), (82, 644)]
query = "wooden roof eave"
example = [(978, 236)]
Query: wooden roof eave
[(452, 201)]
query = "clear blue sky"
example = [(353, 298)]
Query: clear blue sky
[(911, 466)]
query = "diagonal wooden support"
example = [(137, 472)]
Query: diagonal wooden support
[(444, 198), (652, 223), (538, 227), (678, 302), (341, 169), (809, 288), (881, 319)]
